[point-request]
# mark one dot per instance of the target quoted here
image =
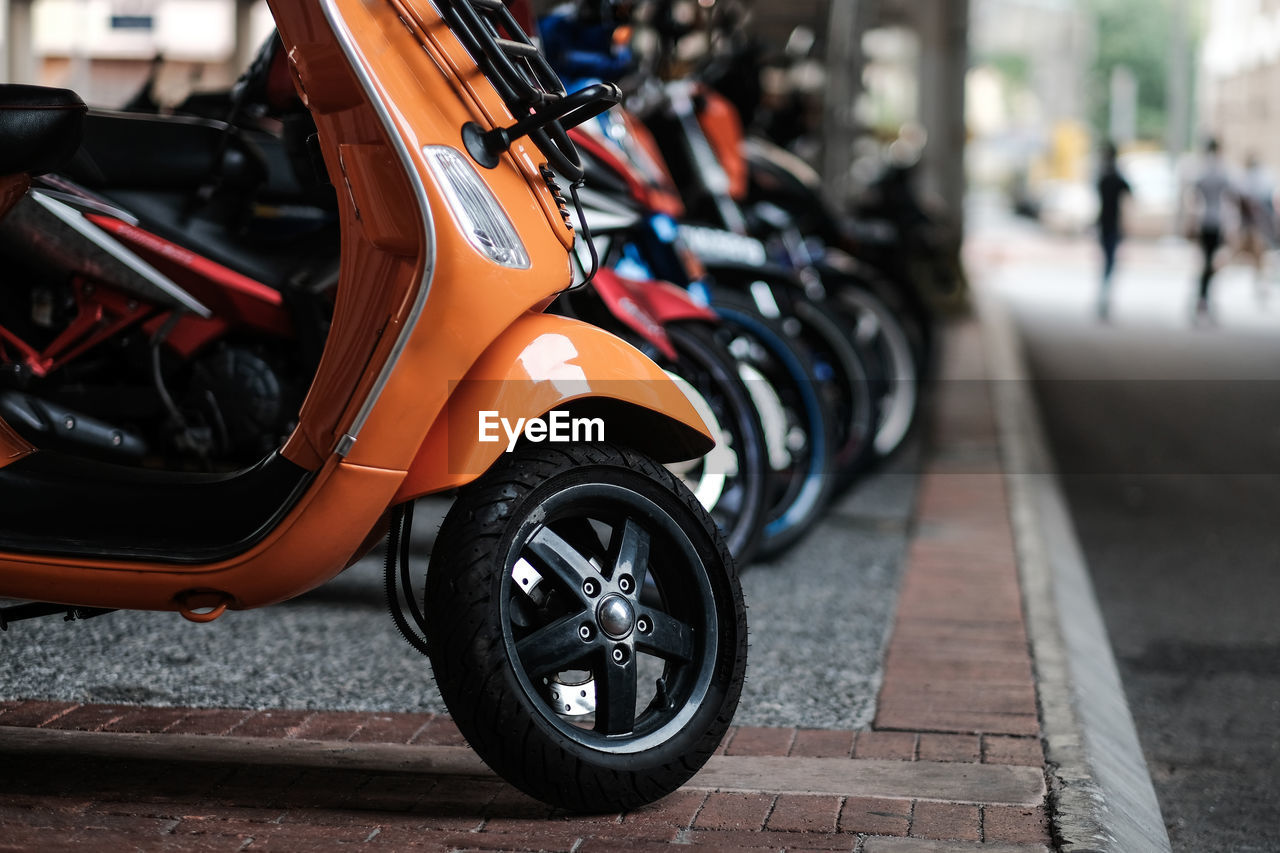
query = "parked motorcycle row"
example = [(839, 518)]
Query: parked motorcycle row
[(238, 339), (807, 351)]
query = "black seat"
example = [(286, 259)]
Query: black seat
[(52, 503), (164, 170), (274, 261), (40, 128)]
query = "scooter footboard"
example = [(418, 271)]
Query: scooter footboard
[(553, 379)]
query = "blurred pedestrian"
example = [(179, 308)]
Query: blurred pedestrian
[(1213, 190), (1257, 219), (1112, 187)]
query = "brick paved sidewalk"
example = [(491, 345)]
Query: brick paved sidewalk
[(953, 761)]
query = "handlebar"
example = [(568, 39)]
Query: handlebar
[(546, 127)]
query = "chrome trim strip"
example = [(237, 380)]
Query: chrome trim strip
[(347, 42), (80, 202), (104, 241)]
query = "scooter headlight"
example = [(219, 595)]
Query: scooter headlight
[(473, 205)]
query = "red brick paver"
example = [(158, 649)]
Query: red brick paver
[(936, 747), (899, 746), (822, 743), (875, 816), (209, 721), (88, 718), (1012, 750), (754, 740), (946, 821), (143, 720), (281, 724), (333, 725), (804, 813), (959, 660), (391, 728), (35, 713), (734, 811), (1015, 825)]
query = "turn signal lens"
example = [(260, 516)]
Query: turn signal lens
[(475, 209)]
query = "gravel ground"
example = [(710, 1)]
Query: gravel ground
[(819, 620)]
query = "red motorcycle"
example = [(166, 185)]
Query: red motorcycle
[(170, 290)]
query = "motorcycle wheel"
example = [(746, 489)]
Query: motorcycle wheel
[(587, 629), (894, 372), (731, 481), (847, 387), (802, 484), (891, 281)]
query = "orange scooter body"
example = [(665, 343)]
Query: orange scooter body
[(428, 332)]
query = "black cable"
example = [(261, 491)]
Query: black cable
[(157, 375), (406, 581), (397, 583), (586, 235)]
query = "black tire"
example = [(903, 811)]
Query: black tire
[(915, 319), (802, 489), (882, 337), (847, 387), (887, 274), (739, 507), (510, 587)]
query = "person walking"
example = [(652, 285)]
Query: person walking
[(1257, 220), (1213, 191), (1112, 187)]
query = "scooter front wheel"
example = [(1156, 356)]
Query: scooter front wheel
[(587, 628)]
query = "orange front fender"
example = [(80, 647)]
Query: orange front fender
[(543, 363)]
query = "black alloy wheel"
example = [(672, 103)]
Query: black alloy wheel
[(587, 628)]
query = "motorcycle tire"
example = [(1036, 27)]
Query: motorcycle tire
[(801, 488), (881, 335), (586, 625), (847, 386), (731, 480), (890, 278)]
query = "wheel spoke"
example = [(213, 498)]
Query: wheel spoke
[(633, 553), (563, 560), (616, 697), (552, 648), (668, 638), (581, 536)]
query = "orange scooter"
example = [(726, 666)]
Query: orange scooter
[(583, 616)]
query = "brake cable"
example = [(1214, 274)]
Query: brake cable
[(397, 581), (586, 237)]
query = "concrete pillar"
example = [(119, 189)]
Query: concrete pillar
[(844, 82), (17, 58), (944, 60), (245, 48)]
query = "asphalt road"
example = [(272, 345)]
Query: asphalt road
[(818, 617), (1167, 436)]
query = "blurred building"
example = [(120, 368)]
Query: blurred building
[(1239, 93), (1048, 43), (105, 49), (1027, 90), (897, 67)]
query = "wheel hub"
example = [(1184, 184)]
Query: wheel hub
[(615, 616)]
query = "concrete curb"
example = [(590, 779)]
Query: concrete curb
[(936, 781), (1102, 798)]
